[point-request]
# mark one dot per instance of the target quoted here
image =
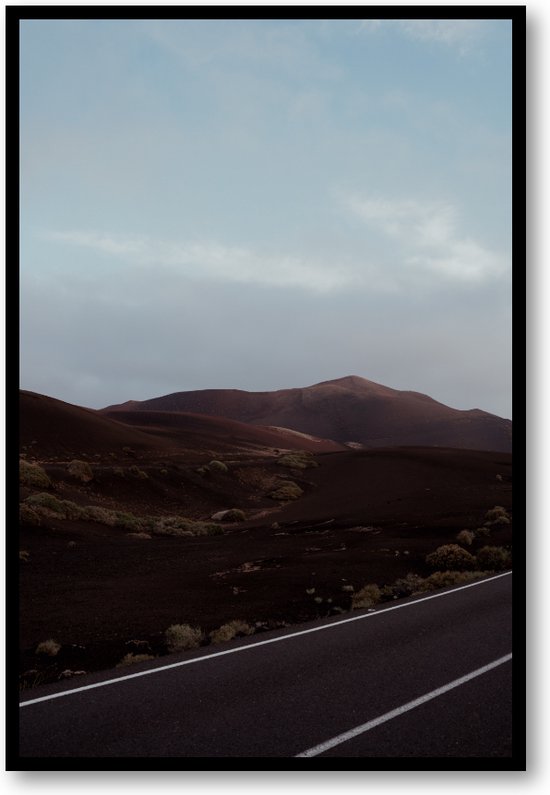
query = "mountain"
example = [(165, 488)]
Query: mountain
[(52, 427), (347, 410)]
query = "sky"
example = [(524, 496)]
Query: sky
[(266, 204)]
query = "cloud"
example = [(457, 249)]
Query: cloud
[(458, 34), (209, 260), (428, 236)]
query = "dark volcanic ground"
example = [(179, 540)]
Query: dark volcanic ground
[(365, 516)]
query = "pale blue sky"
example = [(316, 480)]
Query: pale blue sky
[(266, 204)]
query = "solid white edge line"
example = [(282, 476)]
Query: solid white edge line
[(365, 727), (149, 671)]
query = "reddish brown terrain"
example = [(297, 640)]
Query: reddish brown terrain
[(345, 518), (350, 409)]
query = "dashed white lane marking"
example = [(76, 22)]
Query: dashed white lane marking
[(371, 724), (149, 671)]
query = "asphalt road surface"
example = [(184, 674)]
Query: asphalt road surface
[(424, 677)]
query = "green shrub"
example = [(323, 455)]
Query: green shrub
[(33, 475), (80, 470), (450, 557), (368, 596), (287, 491), (465, 537), (180, 637), (101, 515), (494, 558), (45, 500), (217, 466), (127, 521), (230, 630), (297, 460)]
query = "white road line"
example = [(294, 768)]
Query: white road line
[(365, 727), (149, 671)]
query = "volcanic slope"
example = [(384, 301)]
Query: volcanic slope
[(348, 410), (53, 428)]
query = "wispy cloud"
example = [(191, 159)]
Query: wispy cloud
[(429, 238), (209, 260), (458, 34)]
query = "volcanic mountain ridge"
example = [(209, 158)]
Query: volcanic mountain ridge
[(350, 410)]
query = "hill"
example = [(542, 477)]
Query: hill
[(347, 410)]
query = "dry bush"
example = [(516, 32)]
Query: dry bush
[(298, 460), (287, 491), (180, 526), (24, 556), (138, 473), (28, 516), (139, 535), (50, 647), (102, 515), (33, 475), (230, 515), (180, 637), (230, 630), (368, 596), (443, 579), (494, 558), (405, 586), (131, 659), (497, 515), (465, 537), (218, 466), (450, 557), (80, 470)]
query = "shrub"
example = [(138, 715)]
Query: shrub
[(494, 558), (24, 555), (127, 521), (405, 586), (28, 516), (368, 596), (80, 470), (139, 535), (450, 557), (297, 460), (218, 466), (465, 537), (45, 500), (136, 472), (231, 515), (287, 491), (180, 637), (180, 526), (230, 630), (130, 659), (102, 515), (33, 475), (443, 579), (50, 647), (72, 511), (497, 515)]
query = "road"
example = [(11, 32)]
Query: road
[(425, 677)]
